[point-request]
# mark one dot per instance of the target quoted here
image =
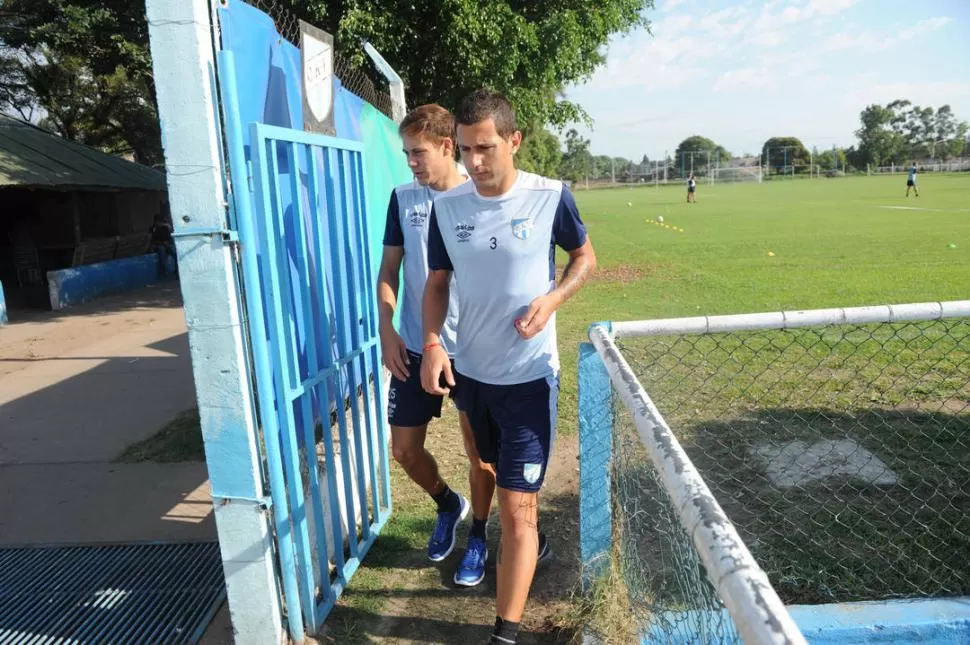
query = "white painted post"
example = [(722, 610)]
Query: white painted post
[(181, 40), (395, 84)]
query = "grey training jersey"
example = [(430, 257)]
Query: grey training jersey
[(407, 226), (502, 252)]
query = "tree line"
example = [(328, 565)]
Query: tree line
[(898, 133), (82, 68)]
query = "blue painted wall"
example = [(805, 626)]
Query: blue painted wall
[(3, 307), (69, 287)]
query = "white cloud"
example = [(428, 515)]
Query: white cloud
[(933, 93), (744, 78), (745, 71), (872, 41), (717, 19), (670, 5)]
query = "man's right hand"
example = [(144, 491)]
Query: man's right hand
[(395, 354), (434, 364)]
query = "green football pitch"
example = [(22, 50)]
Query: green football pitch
[(836, 242), (839, 242)]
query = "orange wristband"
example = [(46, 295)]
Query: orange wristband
[(431, 346)]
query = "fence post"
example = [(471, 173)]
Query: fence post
[(595, 453), (395, 84), (181, 38)]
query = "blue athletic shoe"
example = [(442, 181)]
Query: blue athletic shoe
[(471, 569), (442, 541)]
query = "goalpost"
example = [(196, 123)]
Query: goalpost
[(736, 174)]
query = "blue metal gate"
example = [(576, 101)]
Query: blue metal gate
[(299, 202)]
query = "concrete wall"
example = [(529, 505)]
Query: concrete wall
[(69, 287)]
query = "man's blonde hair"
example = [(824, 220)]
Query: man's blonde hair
[(431, 121)]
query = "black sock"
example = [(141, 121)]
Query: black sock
[(478, 528), (447, 500), (505, 632)]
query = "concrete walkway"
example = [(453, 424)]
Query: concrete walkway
[(76, 388)]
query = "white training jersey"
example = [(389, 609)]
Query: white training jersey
[(407, 226), (502, 252)]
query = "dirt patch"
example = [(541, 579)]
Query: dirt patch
[(624, 273), (620, 274), (797, 463)]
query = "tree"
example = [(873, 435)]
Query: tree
[(778, 152), (902, 131), (826, 160), (948, 134), (601, 167), (577, 162), (444, 49), (693, 151), (541, 153), (878, 142), (85, 63)]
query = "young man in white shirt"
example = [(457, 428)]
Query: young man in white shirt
[(495, 237)]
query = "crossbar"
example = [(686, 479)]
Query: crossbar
[(792, 319)]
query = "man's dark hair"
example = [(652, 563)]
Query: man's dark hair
[(486, 104)]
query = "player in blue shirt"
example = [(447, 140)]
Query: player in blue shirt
[(911, 181), (497, 236), (427, 133)]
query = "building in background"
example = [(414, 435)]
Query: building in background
[(64, 205)]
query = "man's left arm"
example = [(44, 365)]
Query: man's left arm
[(569, 233)]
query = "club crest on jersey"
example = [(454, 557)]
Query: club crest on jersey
[(522, 228)]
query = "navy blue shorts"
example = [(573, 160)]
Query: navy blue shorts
[(514, 427), (910, 182), (408, 405)]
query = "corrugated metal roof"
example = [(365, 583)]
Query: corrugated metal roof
[(33, 157)]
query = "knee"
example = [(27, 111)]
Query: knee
[(519, 528), (478, 469), (519, 521), (405, 453)]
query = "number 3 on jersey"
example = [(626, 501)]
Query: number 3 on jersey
[(492, 243)]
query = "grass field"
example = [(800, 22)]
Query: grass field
[(901, 393), (837, 242)]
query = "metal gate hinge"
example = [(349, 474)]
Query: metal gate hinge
[(225, 234)]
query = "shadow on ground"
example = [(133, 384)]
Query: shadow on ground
[(23, 309)]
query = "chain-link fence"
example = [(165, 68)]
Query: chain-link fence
[(362, 79), (841, 453), (658, 572)]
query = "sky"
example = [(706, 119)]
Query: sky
[(739, 72)]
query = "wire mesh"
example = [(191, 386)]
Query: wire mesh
[(356, 73), (841, 453), (667, 588)]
